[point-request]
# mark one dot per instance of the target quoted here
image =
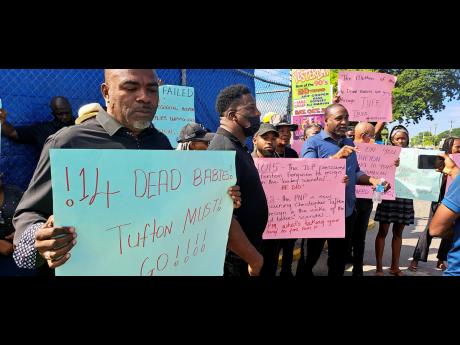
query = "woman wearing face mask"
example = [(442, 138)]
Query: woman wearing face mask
[(451, 145), (400, 212)]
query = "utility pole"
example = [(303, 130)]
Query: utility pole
[(450, 132)]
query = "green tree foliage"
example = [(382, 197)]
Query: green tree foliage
[(445, 134), (425, 139), (418, 93)]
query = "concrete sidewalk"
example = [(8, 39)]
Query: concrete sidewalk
[(410, 238)]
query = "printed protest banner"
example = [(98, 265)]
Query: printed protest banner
[(377, 161), (311, 91), (175, 110), (413, 183), (367, 95), (303, 121), (306, 197), (144, 212)]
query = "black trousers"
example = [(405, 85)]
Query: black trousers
[(424, 242), (287, 245), (270, 252), (337, 250), (363, 209)]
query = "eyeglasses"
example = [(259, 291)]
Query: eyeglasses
[(369, 136)]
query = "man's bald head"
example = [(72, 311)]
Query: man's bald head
[(332, 108), (109, 74), (131, 96), (61, 109), (364, 132), (336, 120)]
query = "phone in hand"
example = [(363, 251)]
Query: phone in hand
[(430, 162)]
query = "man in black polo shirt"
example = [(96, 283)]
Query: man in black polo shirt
[(239, 119), (37, 134)]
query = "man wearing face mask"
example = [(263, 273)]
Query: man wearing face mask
[(239, 119)]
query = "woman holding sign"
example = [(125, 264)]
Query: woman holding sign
[(451, 145), (400, 212)]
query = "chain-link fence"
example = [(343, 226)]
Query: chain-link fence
[(273, 91), (26, 94)]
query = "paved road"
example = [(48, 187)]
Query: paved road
[(410, 237)]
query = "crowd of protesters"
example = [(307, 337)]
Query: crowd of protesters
[(30, 243)]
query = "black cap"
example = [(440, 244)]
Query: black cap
[(266, 128), (194, 132), (282, 121)]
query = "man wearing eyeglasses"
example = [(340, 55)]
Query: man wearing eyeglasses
[(36, 134)]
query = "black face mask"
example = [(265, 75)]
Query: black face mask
[(253, 127)]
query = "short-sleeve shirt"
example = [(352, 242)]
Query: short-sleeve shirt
[(452, 202)]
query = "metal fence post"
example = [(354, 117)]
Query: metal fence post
[(289, 104), (183, 78)]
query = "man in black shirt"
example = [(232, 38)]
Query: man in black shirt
[(239, 119), (264, 147), (37, 134), (132, 99)]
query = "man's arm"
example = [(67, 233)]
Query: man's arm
[(309, 150), (36, 204), (240, 245), (378, 128), (7, 129), (443, 221), (449, 210), (34, 209)]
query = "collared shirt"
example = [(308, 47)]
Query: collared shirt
[(101, 132), (322, 145), (253, 213), (452, 202), (37, 133)]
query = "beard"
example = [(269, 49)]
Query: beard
[(141, 124)]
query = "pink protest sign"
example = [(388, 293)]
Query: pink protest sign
[(377, 161), (303, 121), (456, 158), (367, 95), (306, 197)]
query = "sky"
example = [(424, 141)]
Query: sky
[(277, 102)]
